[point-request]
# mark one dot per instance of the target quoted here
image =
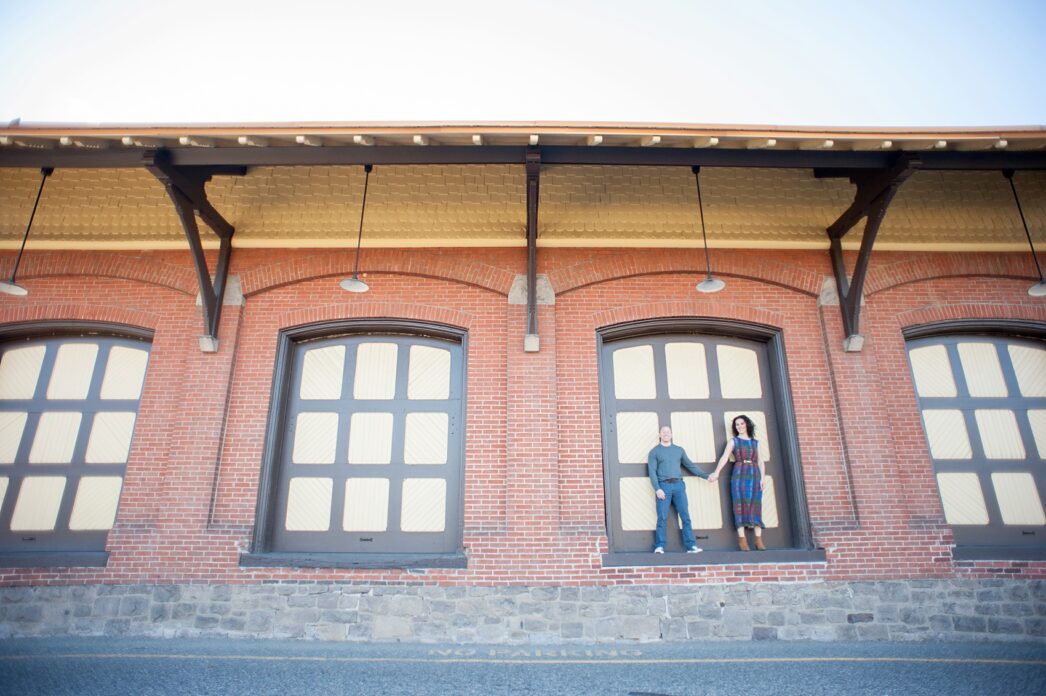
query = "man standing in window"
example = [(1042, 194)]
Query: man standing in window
[(664, 467)]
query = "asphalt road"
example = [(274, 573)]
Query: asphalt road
[(142, 667)]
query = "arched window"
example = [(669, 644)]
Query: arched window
[(366, 447), (982, 397), (696, 376), (68, 406)]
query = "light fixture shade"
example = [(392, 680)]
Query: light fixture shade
[(12, 288), (710, 285), (1038, 290), (354, 284)]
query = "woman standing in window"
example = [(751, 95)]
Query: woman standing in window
[(746, 481)]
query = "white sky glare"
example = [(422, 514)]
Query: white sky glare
[(802, 62)]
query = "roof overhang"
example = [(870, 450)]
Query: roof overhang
[(116, 146)]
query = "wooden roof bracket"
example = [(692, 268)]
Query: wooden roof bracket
[(185, 185), (532, 342), (875, 191)]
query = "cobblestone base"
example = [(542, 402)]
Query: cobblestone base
[(904, 610)]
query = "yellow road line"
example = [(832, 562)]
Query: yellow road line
[(538, 661)]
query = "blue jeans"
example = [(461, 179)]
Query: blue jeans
[(675, 494)]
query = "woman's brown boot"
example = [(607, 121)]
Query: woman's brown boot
[(742, 542), (759, 543)]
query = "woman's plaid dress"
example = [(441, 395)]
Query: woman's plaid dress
[(744, 484)]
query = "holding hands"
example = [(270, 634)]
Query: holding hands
[(713, 477)]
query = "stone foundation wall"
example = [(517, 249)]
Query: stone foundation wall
[(900, 610)]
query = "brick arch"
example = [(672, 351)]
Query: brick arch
[(106, 265), (605, 268), (375, 310), (711, 307), (989, 311), (52, 312), (340, 262), (933, 267)]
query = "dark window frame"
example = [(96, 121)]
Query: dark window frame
[(261, 553), (804, 548), (985, 328), (51, 329)]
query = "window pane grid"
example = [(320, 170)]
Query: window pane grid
[(67, 411), (398, 419), (986, 438)]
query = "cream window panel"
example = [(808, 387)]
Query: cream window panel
[(366, 505), (739, 373), (1030, 366), (375, 371), (999, 434), (110, 440), (1018, 498), (370, 438), (946, 433), (980, 365), (962, 498), (20, 371), (637, 433), (1037, 418), (55, 437), (425, 439), (36, 509), (687, 371), (429, 374), (309, 504), (94, 508), (322, 372), (3, 490), (12, 425), (424, 505), (932, 371), (638, 509), (704, 503), (634, 373), (73, 368), (315, 438), (770, 518), (124, 373), (692, 430), (759, 419)]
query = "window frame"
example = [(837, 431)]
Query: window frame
[(261, 553), (51, 329), (988, 328), (793, 488)]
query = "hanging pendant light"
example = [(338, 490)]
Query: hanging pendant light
[(354, 284), (709, 284), (10, 286), (1039, 289)]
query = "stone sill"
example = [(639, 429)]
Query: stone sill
[(678, 558), (54, 559), (353, 560)]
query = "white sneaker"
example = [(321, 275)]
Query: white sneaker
[(694, 549), (659, 550)]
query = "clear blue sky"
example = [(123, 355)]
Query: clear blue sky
[(797, 62)]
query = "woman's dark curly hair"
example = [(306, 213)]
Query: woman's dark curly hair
[(748, 422)]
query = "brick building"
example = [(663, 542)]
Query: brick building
[(202, 432)]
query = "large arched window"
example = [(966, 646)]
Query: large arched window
[(982, 396), (68, 405), (365, 456), (696, 376)]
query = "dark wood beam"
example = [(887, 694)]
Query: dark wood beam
[(511, 154), (870, 187), (185, 187), (533, 190), (875, 191)]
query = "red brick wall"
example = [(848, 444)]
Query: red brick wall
[(534, 510)]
